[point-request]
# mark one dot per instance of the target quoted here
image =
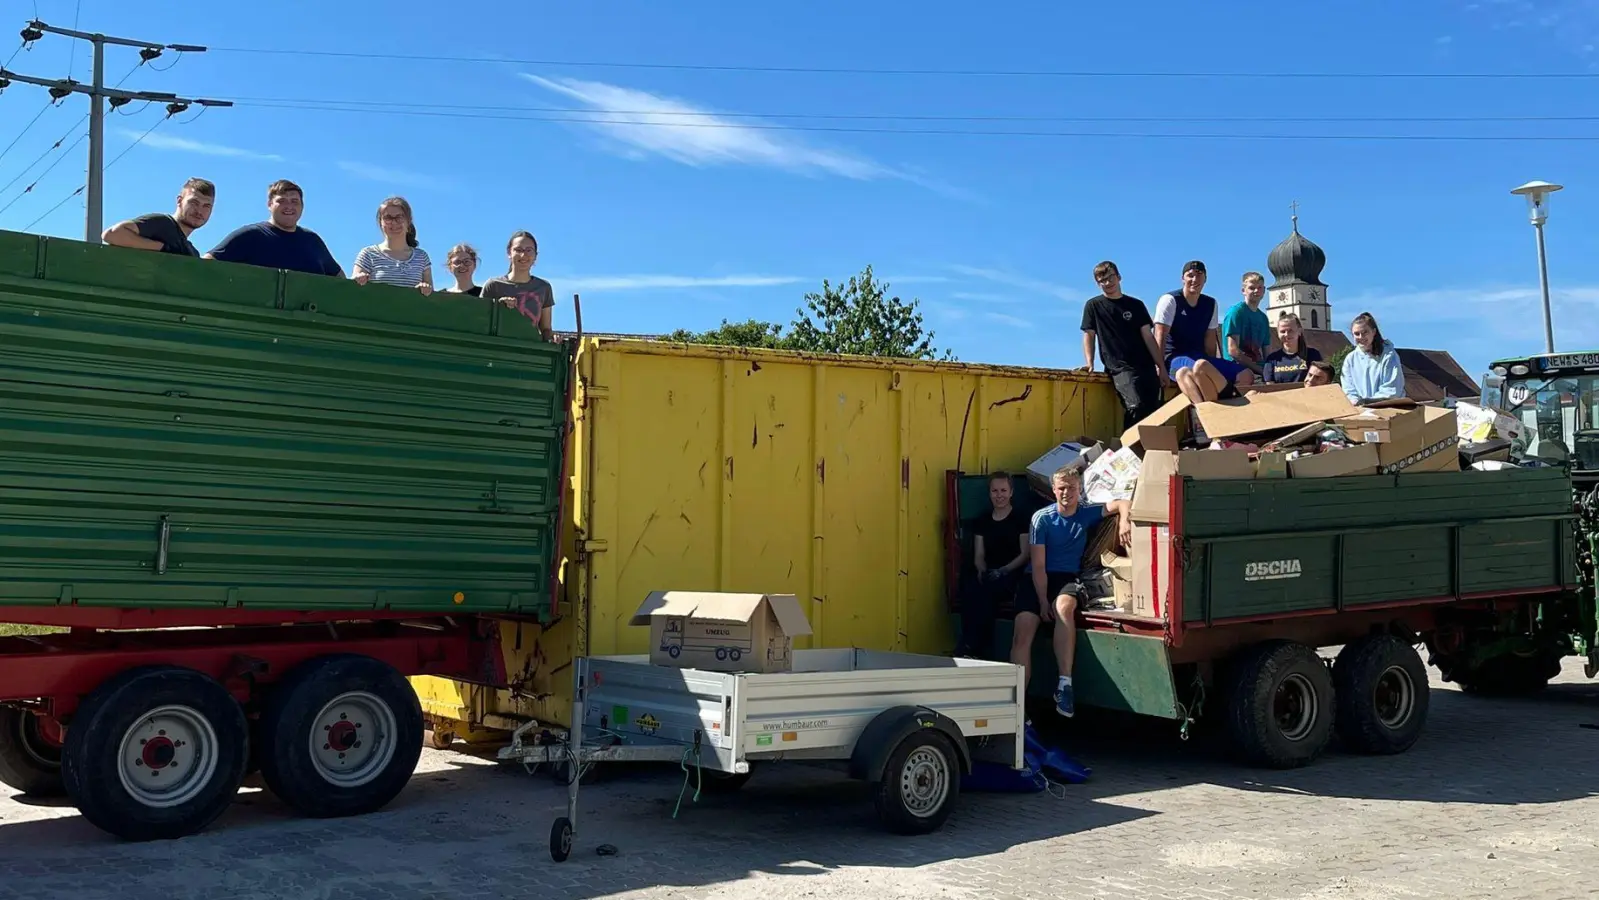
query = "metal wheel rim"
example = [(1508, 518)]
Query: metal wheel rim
[(352, 739), (566, 840), (40, 752), (924, 781), (1394, 696), (168, 757), (1295, 707)]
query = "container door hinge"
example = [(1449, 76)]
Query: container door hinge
[(592, 545), (592, 391)]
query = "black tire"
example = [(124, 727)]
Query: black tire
[(28, 764), (561, 839), (1383, 697), (1280, 705), (345, 700), (171, 716), (916, 767)]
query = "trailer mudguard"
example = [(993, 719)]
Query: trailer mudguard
[(893, 725)]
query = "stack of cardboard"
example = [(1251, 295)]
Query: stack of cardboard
[(1300, 433)]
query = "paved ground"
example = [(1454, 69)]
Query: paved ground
[(1500, 799)]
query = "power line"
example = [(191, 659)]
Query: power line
[(40, 158), (98, 95), (136, 142), (590, 118), (321, 102), (25, 129), (29, 189), (853, 70)]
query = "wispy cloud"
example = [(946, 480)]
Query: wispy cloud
[(1573, 23), (640, 124), (695, 136), (672, 282), (186, 145), (386, 175), (984, 297), (1008, 319), (1020, 282)]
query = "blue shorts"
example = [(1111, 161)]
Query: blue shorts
[(1228, 369)]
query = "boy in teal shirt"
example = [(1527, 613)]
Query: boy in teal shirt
[(1245, 330)]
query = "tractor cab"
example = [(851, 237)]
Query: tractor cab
[(1556, 397)]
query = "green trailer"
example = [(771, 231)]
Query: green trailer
[(1487, 571), (238, 508)]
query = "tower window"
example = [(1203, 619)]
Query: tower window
[(1313, 320)]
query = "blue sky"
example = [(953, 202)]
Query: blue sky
[(661, 226)]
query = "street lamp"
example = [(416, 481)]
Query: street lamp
[(1537, 194)]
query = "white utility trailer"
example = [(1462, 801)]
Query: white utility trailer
[(911, 724)]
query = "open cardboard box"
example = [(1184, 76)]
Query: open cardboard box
[(1256, 412)]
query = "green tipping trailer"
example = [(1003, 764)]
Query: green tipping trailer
[(245, 505), (1490, 572)]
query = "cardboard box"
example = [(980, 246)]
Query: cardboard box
[(1360, 459), (1150, 561), (722, 632), (1271, 464), (1152, 497), (1121, 572), (1476, 423), (1042, 469), (1431, 447), (1383, 426), (1256, 412)]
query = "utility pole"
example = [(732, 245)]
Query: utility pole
[(98, 95)]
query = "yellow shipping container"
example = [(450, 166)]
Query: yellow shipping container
[(711, 468)]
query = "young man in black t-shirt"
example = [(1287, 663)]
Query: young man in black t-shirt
[(1126, 340), (168, 234), (999, 553)]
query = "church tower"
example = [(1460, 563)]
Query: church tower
[(1297, 263)]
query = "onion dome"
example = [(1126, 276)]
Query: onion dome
[(1297, 260)]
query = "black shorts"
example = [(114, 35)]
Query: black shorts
[(1057, 583)]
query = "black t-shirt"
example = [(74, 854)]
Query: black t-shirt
[(1119, 326), (1282, 367), (164, 228), (1001, 539), (264, 244)]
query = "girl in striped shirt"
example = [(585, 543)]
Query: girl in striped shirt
[(397, 260)]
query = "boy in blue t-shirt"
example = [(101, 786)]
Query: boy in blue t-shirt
[(1058, 537), (1245, 330)]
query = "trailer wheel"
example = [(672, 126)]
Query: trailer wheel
[(28, 763), (920, 784), (155, 753), (1381, 685), (1280, 706), (561, 839), (1509, 675), (341, 736)]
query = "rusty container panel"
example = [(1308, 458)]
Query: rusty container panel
[(701, 468), (180, 432)]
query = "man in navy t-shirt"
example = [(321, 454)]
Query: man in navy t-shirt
[(279, 242), (1058, 537), (1187, 326)]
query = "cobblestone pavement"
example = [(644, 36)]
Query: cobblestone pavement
[(1499, 799)]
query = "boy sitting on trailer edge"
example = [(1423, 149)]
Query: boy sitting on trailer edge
[(1058, 536)]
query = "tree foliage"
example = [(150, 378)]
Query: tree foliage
[(859, 317), (1337, 363)]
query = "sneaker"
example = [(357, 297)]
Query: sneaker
[(1064, 701)]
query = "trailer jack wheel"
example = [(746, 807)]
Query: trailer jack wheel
[(29, 763), (561, 839), (341, 736), (155, 753)]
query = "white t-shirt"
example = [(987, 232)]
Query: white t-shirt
[(385, 269), (1166, 311)]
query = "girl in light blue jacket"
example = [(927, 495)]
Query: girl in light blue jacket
[(1372, 370)]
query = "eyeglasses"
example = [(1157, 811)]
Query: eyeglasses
[(393, 218)]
